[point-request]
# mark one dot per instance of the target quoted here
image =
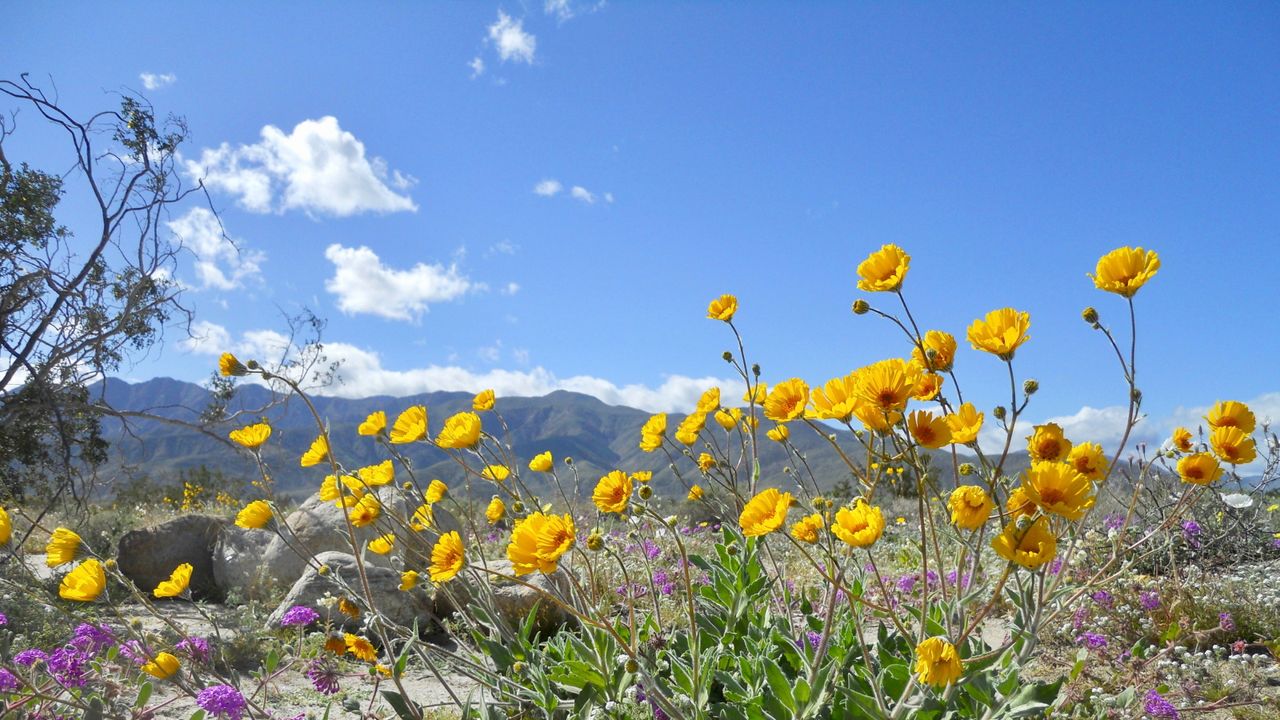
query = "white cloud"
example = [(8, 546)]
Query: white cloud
[(318, 167), (608, 197), (548, 187), (477, 67), (207, 338), (511, 41), (580, 193), (565, 10), (502, 247), (364, 285), (152, 81), (219, 262), (511, 289)]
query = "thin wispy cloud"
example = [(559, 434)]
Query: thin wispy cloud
[(154, 81)]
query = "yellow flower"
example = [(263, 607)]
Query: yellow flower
[(928, 387), (612, 492), (709, 401), (360, 647), (1199, 469), (541, 462), (366, 511), (423, 518), (382, 544), (6, 527), (778, 434), (806, 528), (384, 473), (1124, 270), (1029, 548), (229, 365), (695, 493), (687, 432), (1089, 460), (335, 644), (496, 473), (706, 462), (447, 557), (62, 548), (163, 666), (176, 584), (85, 583), (929, 430), (964, 424), (943, 345), (1047, 444), (722, 308), (345, 494), (888, 385), (837, 398), (1273, 507), (411, 426), (374, 424), (859, 526), (460, 431), (408, 580), (883, 270), (970, 505), (937, 662), (765, 512), (1230, 413), (1018, 504), (642, 476), (899, 520), (436, 491), (873, 417), (1001, 332), (787, 400), (1182, 440), (725, 420), (254, 516), (538, 541), (755, 395), (251, 436), (317, 453), (348, 608), (482, 401), (496, 510), (1058, 488), (1232, 445)]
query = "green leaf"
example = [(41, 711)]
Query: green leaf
[(400, 704), (197, 715), (1033, 699), (1171, 633), (1081, 656), (272, 661), (95, 709), (144, 694), (778, 684)]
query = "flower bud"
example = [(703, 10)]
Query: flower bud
[(517, 506), (755, 369), (110, 563), (998, 413), (728, 356), (1136, 395), (818, 502), (323, 570), (1090, 315), (1030, 386), (253, 365), (732, 549), (966, 468), (646, 492), (632, 666), (517, 667), (595, 541), (407, 485), (860, 307)]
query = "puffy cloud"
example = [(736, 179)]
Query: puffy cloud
[(511, 41), (580, 193), (219, 262), (318, 167), (548, 187), (152, 81), (363, 284), (207, 338), (477, 67)]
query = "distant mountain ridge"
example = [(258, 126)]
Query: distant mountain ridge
[(597, 436)]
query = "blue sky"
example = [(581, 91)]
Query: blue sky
[(532, 196)]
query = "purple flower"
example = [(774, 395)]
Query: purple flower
[(30, 657), (323, 674), (92, 638), (1157, 706), (196, 647), (1055, 567), (906, 583), (8, 681), (1114, 521), (1191, 532), (4, 619), (1103, 598), (299, 616), (667, 588), (222, 701), (1079, 616), (1092, 640), (1225, 622), (651, 549), (1150, 600), (660, 577), (814, 638), (135, 652), (67, 666)]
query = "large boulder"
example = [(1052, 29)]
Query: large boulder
[(319, 526), (513, 601), (149, 556), (343, 580), (238, 560)]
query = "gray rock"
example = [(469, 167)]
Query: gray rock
[(513, 601), (238, 560), (149, 556), (393, 603)]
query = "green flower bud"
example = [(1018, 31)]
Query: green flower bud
[(860, 307), (998, 412), (1030, 387), (646, 492), (966, 468), (1090, 315)]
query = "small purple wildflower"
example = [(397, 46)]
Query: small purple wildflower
[(8, 681), (30, 657), (667, 588), (907, 583), (1055, 567), (1079, 616), (1150, 600), (1225, 622), (323, 674), (1191, 532), (222, 701), (196, 647), (92, 639), (67, 666), (1157, 706), (659, 577), (1114, 521), (814, 638), (1092, 640), (4, 619), (299, 616), (652, 549), (1103, 598), (134, 651)]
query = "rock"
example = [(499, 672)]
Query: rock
[(149, 556), (513, 601), (318, 526), (238, 560), (393, 603)]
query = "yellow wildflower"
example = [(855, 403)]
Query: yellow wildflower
[(538, 541), (778, 434), (360, 647), (1124, 270), (1229, 413), (928, 429), (382, 544), (612, 492), (1182, 440), (937, 662), (229, 365), (541, 462), (411, 426), (1047, 444), (460, 431), (436, 491), (1030, 548), (374, 424), (85, 583), (964, 424), (806, 528), (484, 400), (496, 473), (496, 510), (254, 516), (883, 270), (1199, 469), (447, 557), (317, 453), (177, 583), (1001, 332), (1233, 445), (765, 512), (251, 436), (943, 345), (860, 526), (970, 505), (722, 308), (62, 548), (1059, 488), (695, 493), (1089, 460)]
